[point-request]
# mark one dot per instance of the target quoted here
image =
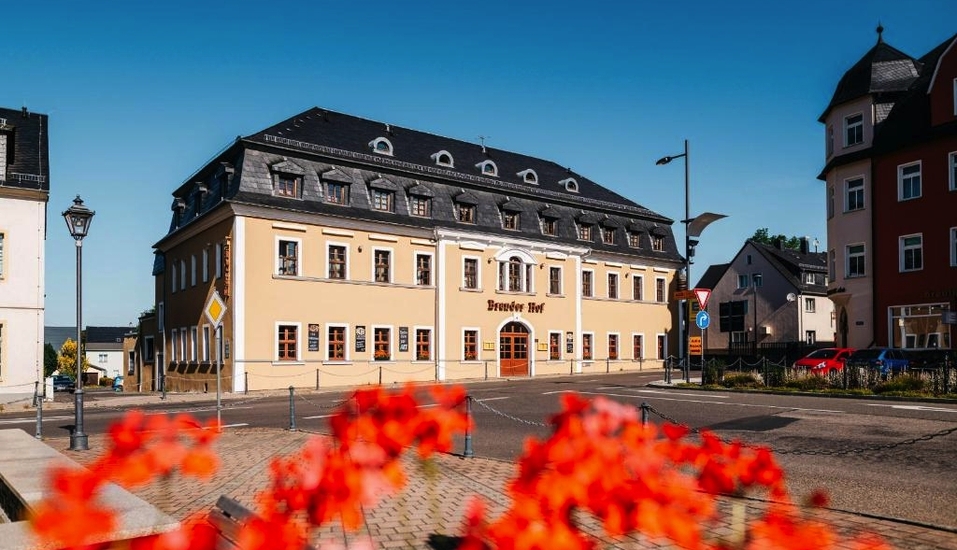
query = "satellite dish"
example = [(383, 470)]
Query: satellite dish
[(791, 296)]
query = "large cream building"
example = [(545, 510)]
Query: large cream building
[(349, 251)]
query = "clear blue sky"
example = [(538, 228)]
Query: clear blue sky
[(140, 97)]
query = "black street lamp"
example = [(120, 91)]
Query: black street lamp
[(693, 228), (78, 219)]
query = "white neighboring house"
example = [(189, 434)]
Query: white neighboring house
[(104, 351), (24, 193)]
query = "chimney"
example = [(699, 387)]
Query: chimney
[(779, 243), (804, 245)]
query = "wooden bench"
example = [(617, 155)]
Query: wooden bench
[(228, 518)]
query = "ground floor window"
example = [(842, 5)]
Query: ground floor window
[(336, 337), (919, 327), (587, 348), (662, 347), (810, 336), (613, 346), (636, 345), (288, 342), (470, 345), (423, 344), (383, 349), (554, 345)]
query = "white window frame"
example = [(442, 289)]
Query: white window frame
[(183, 336), (219, 260), (482, 168), (663, 285), (278, 253), (745, 279), (346, 275), (904, 248), (848, 126), (561, 345), (661, 349), (847, 260), (192, 270), (193, 343), (207, 344), (591, 278), (374, 145), (437, 157), (640, 335), (608, 277), (414, 344), (526, 277), (275, 338), (952, 171), (856, 190), (561, 280), (640, 285), (415, 268), (370, 338), (478, 343), (810, 305), (348, 344), (174, 343), (911, 178), (478, 274), (608, 337), (205, 265), (390, 277), (581, 345)]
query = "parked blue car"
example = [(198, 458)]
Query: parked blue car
[(883, 360)]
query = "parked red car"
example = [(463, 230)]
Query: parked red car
[(825, 360)]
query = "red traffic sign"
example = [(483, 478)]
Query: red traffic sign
[(702, 295)]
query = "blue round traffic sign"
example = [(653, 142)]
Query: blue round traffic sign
[(702, 319)]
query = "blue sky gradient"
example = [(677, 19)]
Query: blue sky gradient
[(140, 97)]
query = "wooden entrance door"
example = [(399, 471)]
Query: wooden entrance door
[(513, 350)]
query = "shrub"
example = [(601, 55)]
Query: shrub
[(900, 384), (741, 380), (809, 383), (106, 381)]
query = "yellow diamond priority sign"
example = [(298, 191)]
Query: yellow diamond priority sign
[(215, 309)]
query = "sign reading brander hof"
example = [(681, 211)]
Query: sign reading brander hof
[(360, 338), (313, 337)]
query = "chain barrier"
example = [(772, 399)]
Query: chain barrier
[(330, 406), (506, 415), (815, 452)]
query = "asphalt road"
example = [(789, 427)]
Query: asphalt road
[(859, 450)]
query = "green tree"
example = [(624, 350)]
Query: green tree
[(50, 360), (762, 236), (67, 360)]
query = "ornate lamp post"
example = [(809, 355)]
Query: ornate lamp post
[(78, 219), (693, 228)]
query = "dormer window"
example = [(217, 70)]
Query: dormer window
[(420, 201), (336, 185), (287, 179), (487, 168), (381, 146), (443, 158), (511, 215), (608, 235), (529, 176), (584, 232), (569, 184)]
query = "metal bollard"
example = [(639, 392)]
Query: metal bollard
[(380, 375), (292, 409), (39, 434), (468, 453), (317, 379), (644, 413), (486, 369), (246, 383), (668, 371), (163, 385), (607, 365)]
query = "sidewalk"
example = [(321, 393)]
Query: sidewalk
[(431, 506)]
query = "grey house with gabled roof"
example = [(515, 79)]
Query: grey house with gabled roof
[(769, 294)]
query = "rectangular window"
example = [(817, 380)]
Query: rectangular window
[(549, 226), (908, 181), (470, 345), (662, 347), (183, 336), (1, 256), (855, 261), (192, 270), (854, 194), (953, 247), (743, 281), (613, 286), (586, 284), (337, 262), (613, 346), (830, 202), (470, 273), (554, 346), (608, 235), (912, 253), (219, 260), (205, 265), (748, 259), (423, 344), (587, 346), (193, 343), (660, 290), (657, 243), (584, 232), (288, 258), (288, 342), (809, 305), (336, 339), (383, 266), (182, 274), (423, 269), (420, 206), (637, 287), (853, 130), (510, 221), (555, 280), (286, 185), (382, 200), (172, 276), (757, 279), (634, 240), (951, 175), (101, 358), (810, 337), (173, 344), (130, 362), (149, 349), (833, 265), (337, 193), (829, 146), (466, 213), (207, 345), (382, 343), (637, 343)]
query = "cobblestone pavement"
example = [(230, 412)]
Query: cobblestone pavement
[(431, 507)]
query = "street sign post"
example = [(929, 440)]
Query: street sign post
[(215, 310)]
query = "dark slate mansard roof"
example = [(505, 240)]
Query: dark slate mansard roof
[(28, 151), (326, 145), (791, 263)]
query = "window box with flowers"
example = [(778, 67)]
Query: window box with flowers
[(381, 355), (471, 356), (422, 357), (613, 356)]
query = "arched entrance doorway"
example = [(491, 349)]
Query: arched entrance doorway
[(513, 349)]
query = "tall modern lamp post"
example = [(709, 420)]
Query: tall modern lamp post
[(78, 219), (693, 228)]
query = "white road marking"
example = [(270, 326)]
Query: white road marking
[(34, 420), (428, 406), (912, 407), (240, 425), (682, 394), (493, 398), (699, 401)]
